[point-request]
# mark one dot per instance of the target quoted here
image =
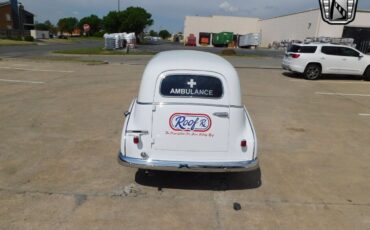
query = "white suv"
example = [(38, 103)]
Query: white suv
[(322, 58)]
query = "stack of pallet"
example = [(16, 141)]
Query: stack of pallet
[(119, 41)]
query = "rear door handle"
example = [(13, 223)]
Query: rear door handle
[(139, 132), (221, 114)]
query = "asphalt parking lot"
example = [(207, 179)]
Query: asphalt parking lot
[(44, 48), (60, 127)]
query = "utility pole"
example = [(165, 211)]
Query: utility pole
[(21, 19), (119, 5)]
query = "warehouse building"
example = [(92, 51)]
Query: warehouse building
[(296, 26), (203, 27), (299, 26)]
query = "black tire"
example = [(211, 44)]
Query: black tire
[(312, 72), (367, 74)]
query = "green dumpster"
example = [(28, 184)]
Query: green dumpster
[(222, 39)]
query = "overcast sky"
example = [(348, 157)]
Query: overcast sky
[(170, 14)]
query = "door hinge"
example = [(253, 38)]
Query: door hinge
[(154, 108)]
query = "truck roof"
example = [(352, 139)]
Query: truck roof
[(188, 59)]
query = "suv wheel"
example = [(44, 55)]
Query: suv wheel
[(312, 72), (367, 74)]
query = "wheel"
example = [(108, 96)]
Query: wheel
[(367, 74), (312, 72)]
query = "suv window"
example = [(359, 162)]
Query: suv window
[(339, 51), (348, 52), (302, 49), (191, 86), (331, 50)]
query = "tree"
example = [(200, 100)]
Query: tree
[(42, 26), (164, 34), (152, 33), (46, 26), (136, 19), (112, 22), (133, 19), (67, 24), (94, 21), (52, 28)]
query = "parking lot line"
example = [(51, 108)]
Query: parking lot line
[(364, 114), (343, 94), (22, 81), (19, 65), (332, 82), (37, 70)]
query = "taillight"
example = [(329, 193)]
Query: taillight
[(295, 55), (136, 140), (243, 143)]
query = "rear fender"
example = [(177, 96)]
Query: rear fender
[(255, 152), (316, 63), (124, 129), (366, 70)]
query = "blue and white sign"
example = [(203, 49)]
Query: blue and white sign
[(190, 122)]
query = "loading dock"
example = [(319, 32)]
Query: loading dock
[(361, 36), (205, 39)]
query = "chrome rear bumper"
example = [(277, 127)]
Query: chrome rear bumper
[(240, 166)]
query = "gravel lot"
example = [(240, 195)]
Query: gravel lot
[(60, 126)]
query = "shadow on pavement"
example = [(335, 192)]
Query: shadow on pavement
[(199, 181), (292, 75), (326, 77)]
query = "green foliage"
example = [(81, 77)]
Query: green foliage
[(153, 33), (46, 26), (52, 28), (18, 38), (41, 26), (164, 34), (136, 19), (67, 24), (133, 19), (112, 22), (29, 38), (99, 34), (94, 21)]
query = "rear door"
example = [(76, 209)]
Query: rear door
[(194, 128), (190, 115), (341, 60), (351, 61), (331, 60)]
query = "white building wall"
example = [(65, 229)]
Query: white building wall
[(216, 24), (290, 27), (362, 20), (39, 34), (296, 26)]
